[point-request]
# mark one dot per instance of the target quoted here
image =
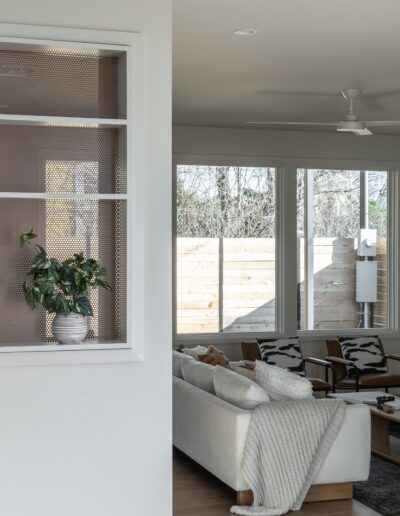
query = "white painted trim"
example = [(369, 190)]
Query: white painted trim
[(222, 338), (288, 266), (393, 251), (43, 195), (107, 42), (325, 334), (61, 121), (309, 248), (100, 49), (298, 162), (116, 41), (15, 348), (280, 250), (45, 357)]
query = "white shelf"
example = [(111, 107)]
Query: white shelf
[(62, 121), (73, 196), (85, 346)]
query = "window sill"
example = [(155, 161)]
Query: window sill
[(310, 335), (326, 334), (192, 339), (67, 354)]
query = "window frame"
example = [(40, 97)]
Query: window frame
[(130, 46), (209, 160), (286, 244), (309, 296), (393, 249)]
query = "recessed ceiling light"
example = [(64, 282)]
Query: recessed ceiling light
[(245, 32)]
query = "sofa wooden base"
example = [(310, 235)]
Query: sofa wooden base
[(318, 493)]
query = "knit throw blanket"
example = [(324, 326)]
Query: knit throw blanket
[(287, 443)]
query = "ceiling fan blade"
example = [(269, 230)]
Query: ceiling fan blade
[(294, 123), (363, 132), (382, 123), (298, 93), (378, 94)]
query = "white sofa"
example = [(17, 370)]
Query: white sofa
[(213, 433)]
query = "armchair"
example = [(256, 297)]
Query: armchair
[(252, 351), (350, 371)]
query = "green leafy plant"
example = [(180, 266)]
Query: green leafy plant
[(61, 287)]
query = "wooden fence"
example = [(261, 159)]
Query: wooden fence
[(229, 284)]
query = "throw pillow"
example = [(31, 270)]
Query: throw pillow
[(177, 363), (199, 374), (237, 389), (365, 353), (285, 353), (245, 371), (193, 352), (281, 384), (214, 356)]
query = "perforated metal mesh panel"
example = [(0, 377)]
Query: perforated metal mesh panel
[(59, 83), (98, 228), (62, 159)]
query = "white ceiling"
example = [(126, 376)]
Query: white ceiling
[(312, 47)]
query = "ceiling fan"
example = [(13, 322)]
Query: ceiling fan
[(350, 124)]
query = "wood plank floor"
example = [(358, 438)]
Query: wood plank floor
[(198, 493)]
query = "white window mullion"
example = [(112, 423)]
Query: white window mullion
[(309, 249), (393, 250), (286, 258)]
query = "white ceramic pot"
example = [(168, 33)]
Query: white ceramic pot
[(69, 329)]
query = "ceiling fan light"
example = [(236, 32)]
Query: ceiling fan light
[(351, 127)]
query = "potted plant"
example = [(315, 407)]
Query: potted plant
[(62, 288)]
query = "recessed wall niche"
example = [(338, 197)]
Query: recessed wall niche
[(63, 172)]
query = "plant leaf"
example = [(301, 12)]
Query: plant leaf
[(103, 283), (82, 305)]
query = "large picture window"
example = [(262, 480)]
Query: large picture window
[(225, 249), (236, 253), (342, 218)]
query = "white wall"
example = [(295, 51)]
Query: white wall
[(94, 440), (284, 144), (294, 148)]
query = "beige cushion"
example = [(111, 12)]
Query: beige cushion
[(177, 361), (199, 374), (214, 356), (237, 389), (281, 384)]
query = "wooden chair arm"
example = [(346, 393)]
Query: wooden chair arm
[(341, 361), (393, 357), (318, 361)]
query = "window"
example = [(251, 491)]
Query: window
[(225, 249), (342, 218)]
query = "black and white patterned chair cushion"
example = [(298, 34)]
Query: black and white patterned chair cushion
[(285, 353), (365, 353)]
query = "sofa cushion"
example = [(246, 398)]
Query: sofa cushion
[(177, 363), (199, 374), (237, 389), (281, 384), (193, 352), (285, 353), (365, 353)]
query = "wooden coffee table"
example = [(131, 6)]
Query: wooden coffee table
[(382, 443)]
